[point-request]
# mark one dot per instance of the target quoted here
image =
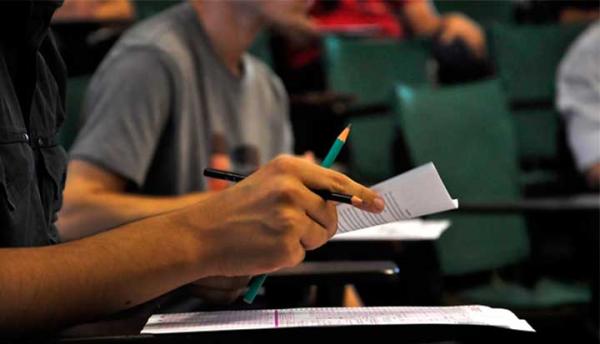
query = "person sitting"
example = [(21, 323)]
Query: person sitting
[(260, 225)]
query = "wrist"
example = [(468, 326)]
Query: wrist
[(188, 226)]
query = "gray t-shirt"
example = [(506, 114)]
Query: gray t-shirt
[(162, 106)]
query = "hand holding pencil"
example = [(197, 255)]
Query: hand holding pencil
[(272, 217), (322, 215)]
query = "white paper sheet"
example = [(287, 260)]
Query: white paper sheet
[(416, 229), (337, 316), (415, 193)]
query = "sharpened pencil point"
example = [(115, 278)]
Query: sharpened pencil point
[(344, 135)]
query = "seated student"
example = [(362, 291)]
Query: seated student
[(262, 224), (175, 95), (578, 99), (398, 19), (459, 41), (206, 103)]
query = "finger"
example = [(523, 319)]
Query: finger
[(316, 177), (319, 210), (314, 235), (309, 156)]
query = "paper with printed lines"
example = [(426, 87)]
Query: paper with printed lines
[(415, 193), (333, 316)]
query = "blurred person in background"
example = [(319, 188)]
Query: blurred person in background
[(578, 100), (397, 19), (177, 94), (455, 36)]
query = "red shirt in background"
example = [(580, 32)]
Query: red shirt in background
[(368, 18), (375, 18)]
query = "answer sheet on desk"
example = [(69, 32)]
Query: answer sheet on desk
[(335, 316), (415, 193)]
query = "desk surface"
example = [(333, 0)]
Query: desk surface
[(374, 267), (576, 203)]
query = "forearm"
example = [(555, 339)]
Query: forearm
[(422, 17), (88, 212), (46, 288)]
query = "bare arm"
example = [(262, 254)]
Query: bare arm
[(46, 288), (424, 20), (95, 200), (262, 224)]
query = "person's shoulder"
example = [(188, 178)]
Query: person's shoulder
[(163, 32), (588, 41), (583, 51)]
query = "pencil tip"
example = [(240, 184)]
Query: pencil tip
[(344, 135)]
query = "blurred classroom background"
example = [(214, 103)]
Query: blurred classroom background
[(526, 236)]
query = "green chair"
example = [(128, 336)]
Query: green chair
[(483, 12), (148, 8), (76, 88), (368, 70), (467, 132), (527, 58)]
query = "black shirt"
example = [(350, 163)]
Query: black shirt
[(32, 94)]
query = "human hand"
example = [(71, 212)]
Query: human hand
[(455, 26), (309, 156), (267, 221), (219, 290)]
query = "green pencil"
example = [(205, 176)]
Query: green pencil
[(335, 149)]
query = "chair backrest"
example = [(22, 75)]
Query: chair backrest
[(370, 147), (368, 69), (466, 131), (483, 12), (76, 89), (527, 57)]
